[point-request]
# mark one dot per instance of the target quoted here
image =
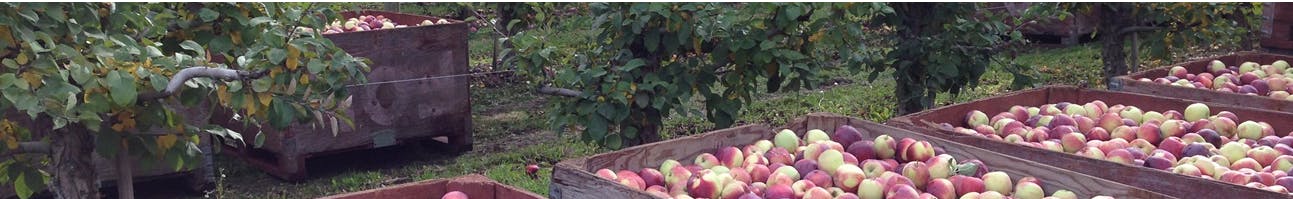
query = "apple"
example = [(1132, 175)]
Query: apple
[(1249, 130), (1028, 190), (803, 166), (1153, 116), (912, 150), (1187, 169), (1133, 113), (1092, 152), (779, 191), (815, 135), (677, 176), (873, 168), (786, 139), (1064, 194), (997, 181), (733, 190), (1234, 150), (1097, 133), (607, 174), (1158, 162), (975, 118), (1246, 163), (1264, 155), (631, 179), (846, 134), (1224, 126), (1149, 132), (1210, 136), (817, 193), (941, 166), (780, 155), (1120, 156), (917, 172), (819, 178), (885, 146), (652, 177), (706, 160), (1197, 111), (731, 157), (902, 191), (1172, 128), (454, 195), (1172, 145), (802, 187), (966, 184), (863, 150), (1282, 163), (941, 188), (872, 189), (830, 160)]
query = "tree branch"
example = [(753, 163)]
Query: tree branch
[(27, 148), (559, 91), (201, 71), (1131, 29)]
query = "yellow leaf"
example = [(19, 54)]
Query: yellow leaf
[(250, 106), (33, 79), (264, 98), (292, 57), (305, 79), (11, 143), (166, 141), (222, 93), (22, 58)]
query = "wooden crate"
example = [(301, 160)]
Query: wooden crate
[(1130, 83), (1277, 27), (1143, 177), (384, 114), (574, 178), (474, 185)]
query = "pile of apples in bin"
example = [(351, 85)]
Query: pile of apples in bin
[(1249, 78), (1196, 142), (821, 166), (370, 22)]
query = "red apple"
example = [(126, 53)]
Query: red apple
[(454, 195)]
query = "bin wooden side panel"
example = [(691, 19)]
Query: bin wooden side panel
[(474, 185), (574, 178), (1130, 83), (1143, 177)]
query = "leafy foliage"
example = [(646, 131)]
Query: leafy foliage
[(652, 58), (84, 66), (945, 47)]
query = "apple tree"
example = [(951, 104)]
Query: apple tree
[(114, 78), (651, 59), (1165, 29)]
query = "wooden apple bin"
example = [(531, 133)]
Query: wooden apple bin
[(1130, 83), (1159, 181), (384, 114), (474, 185), (574, 178)]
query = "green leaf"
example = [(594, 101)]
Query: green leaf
[(634, 64), (122, 89), (276, 56), (220, 44), (281, 114), (193, 46), (7, 80), (262, 84), (613, 142), (260, 20), (28, 183), (260, 139), (596, 127), (208, 15)]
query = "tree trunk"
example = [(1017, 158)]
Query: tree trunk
[(506, 12), (73, 171), (1112, 20), (911, 91), (125, 174), (391, 6)]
